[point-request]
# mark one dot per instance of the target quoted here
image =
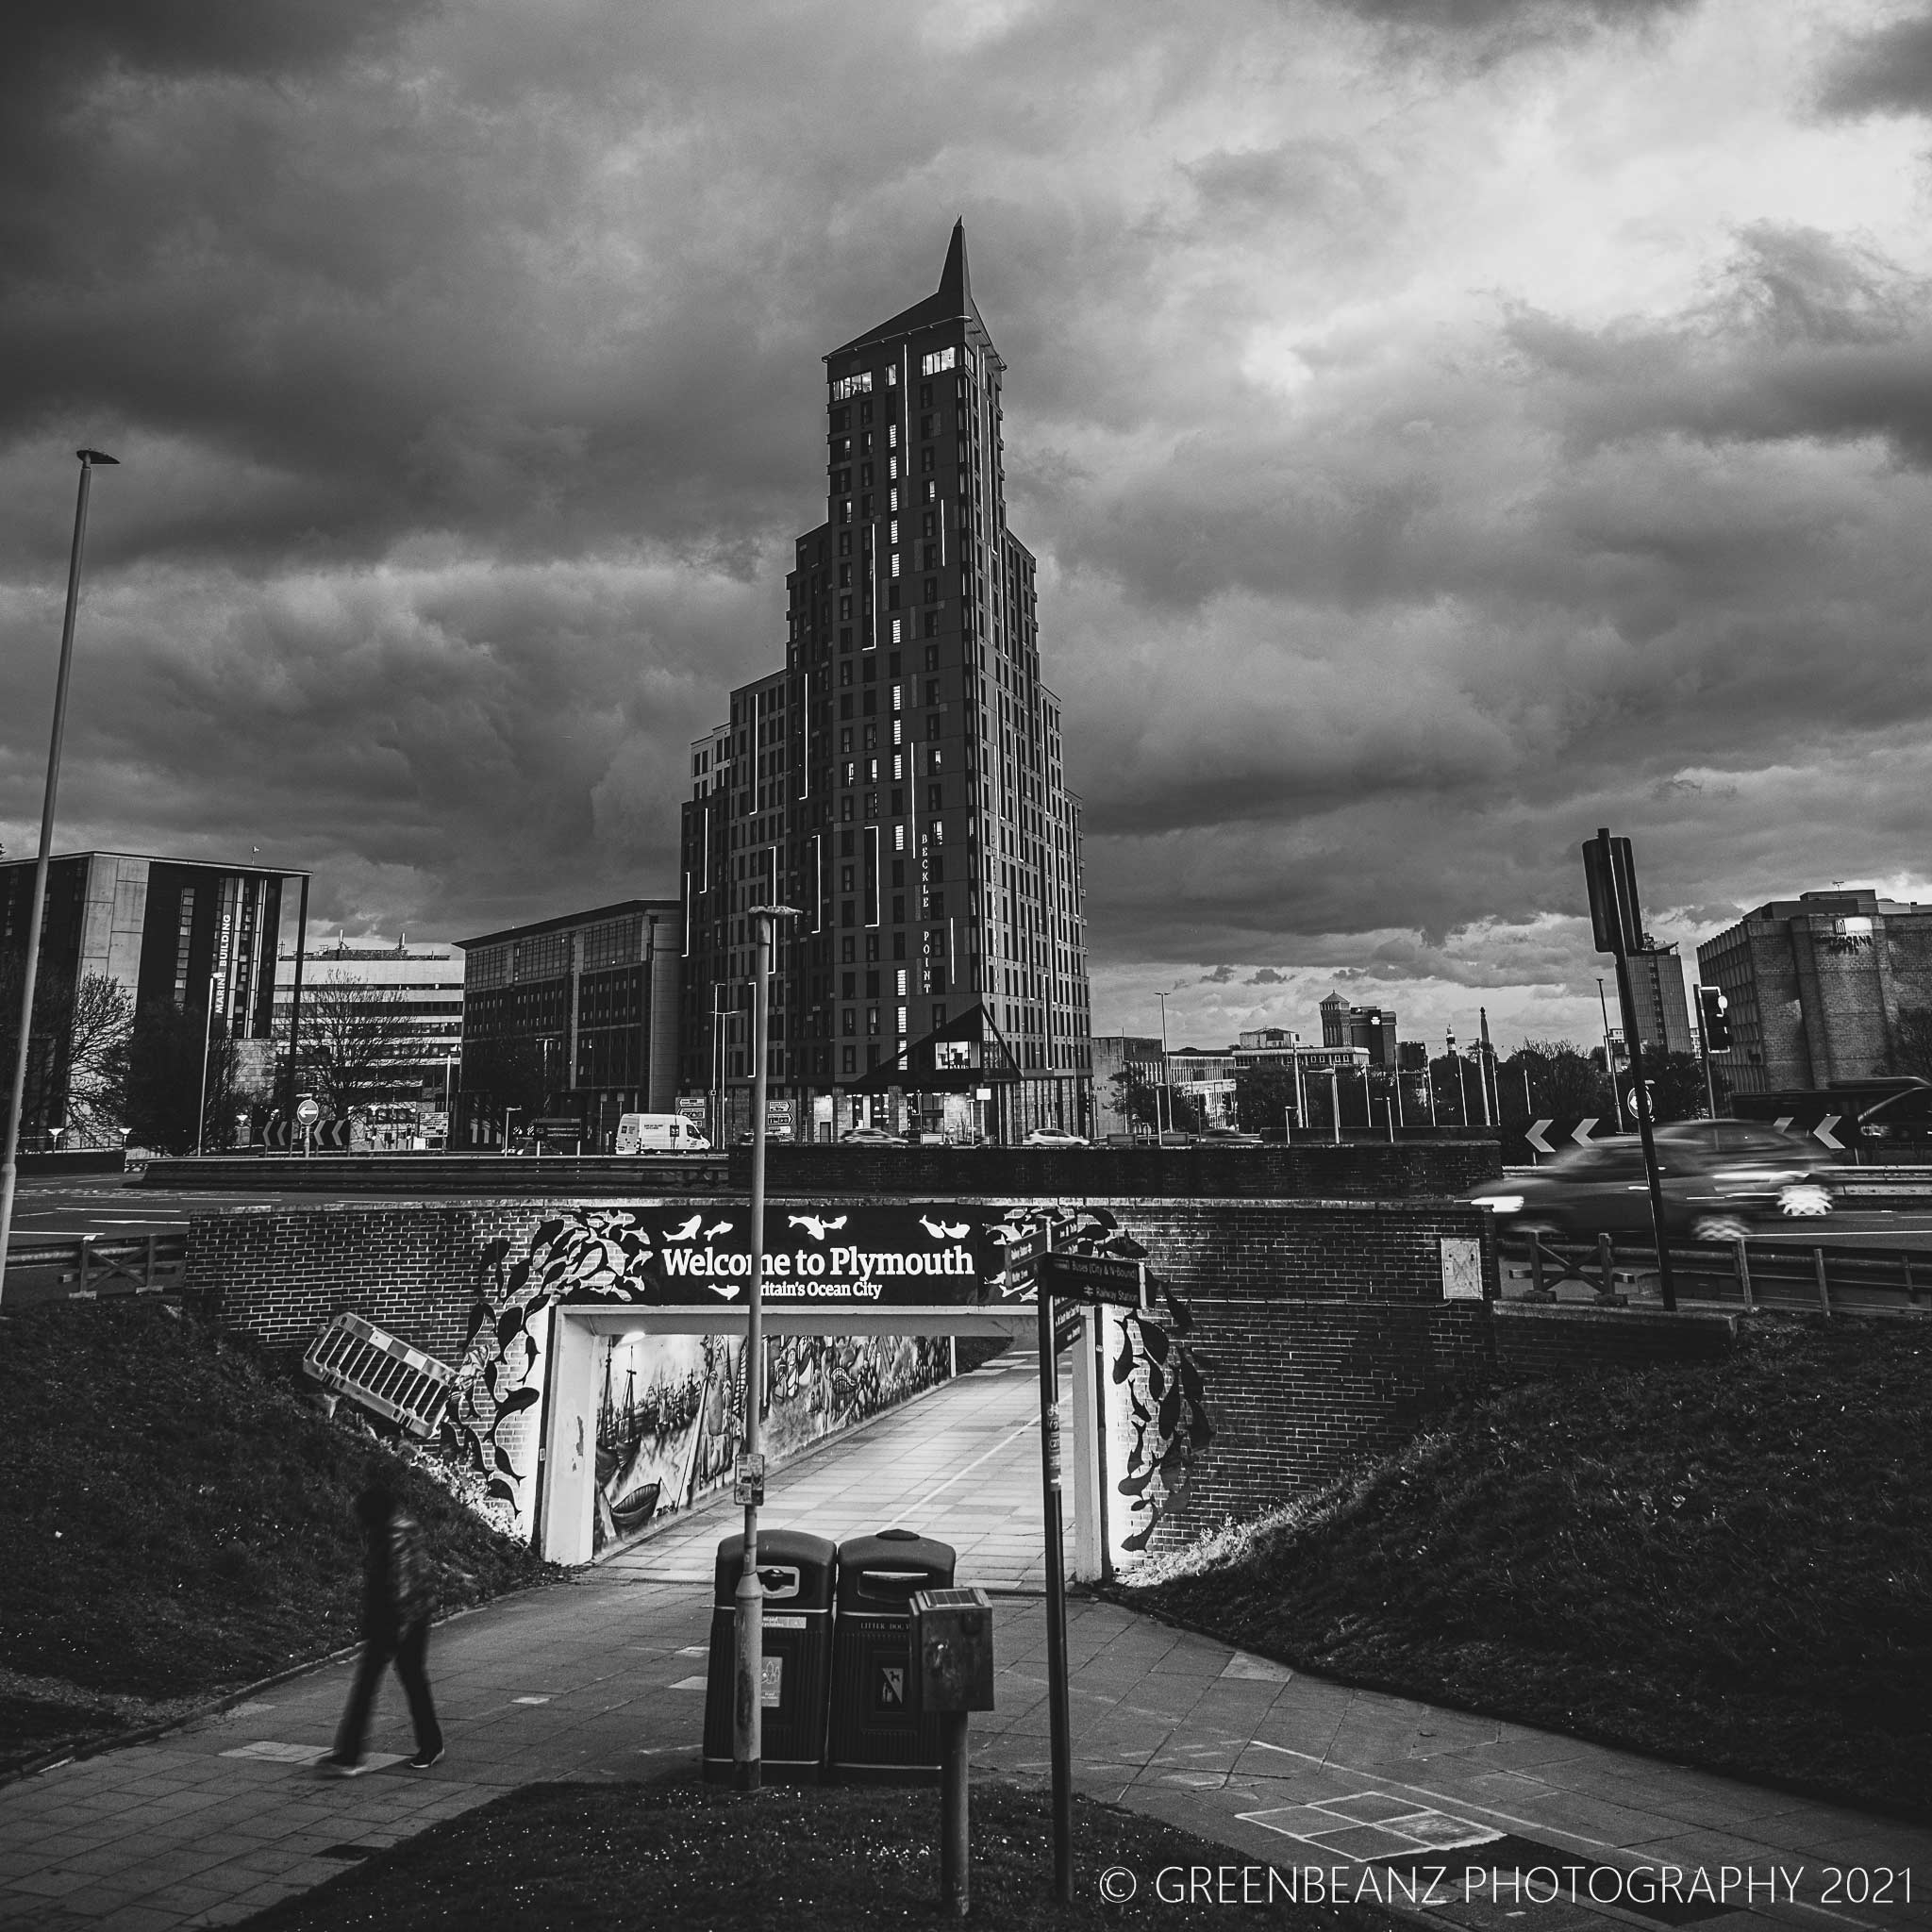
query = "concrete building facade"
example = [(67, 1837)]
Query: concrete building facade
[(574, 1016), (1815, 985), (185, 939), (899, 781)]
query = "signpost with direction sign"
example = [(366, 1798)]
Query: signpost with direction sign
[(1093, 1279)]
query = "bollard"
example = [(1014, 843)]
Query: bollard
[(1536, 1266), (1743, 1273), (1911, 1286), (1823, 1293)]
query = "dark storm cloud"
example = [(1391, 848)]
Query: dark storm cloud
[(465, 368), (1887, 71), (1660, 575)]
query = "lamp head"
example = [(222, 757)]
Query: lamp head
[(93, 458)]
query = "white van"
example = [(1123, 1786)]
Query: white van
[(640, 1133)]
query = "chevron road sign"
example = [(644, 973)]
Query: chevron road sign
[(1820, 1129), (1543, 1135)]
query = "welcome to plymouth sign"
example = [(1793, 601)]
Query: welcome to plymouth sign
[(858, 1256)]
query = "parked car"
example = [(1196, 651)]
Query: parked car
[(1054, 1137), (1719, 1178), (871, 1137)]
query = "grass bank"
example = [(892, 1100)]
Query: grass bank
[(1728, 1565), (179, 1523), (683, 1856)]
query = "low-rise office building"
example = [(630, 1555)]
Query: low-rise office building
[(175, 955), (573, 1017)]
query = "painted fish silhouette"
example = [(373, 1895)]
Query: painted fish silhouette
[(687, 1230), (944, 1230), (817, 1227)]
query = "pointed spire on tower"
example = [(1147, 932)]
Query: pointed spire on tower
[(955, 286)]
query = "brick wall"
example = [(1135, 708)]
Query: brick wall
[(1319, 1327)]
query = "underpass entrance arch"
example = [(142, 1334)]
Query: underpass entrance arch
[(869, 1272)]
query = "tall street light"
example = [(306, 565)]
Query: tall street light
[(9, 1167), (748, 1601), (1160, 1133)]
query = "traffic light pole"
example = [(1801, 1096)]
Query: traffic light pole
[(1640, 1093), (1609, 871)]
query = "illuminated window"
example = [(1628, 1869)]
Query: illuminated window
[(855, 384), (939, 359)]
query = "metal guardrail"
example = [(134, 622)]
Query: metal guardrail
[(1750, 1274), (85, 1267)]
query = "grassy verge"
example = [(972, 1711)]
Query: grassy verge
[(684, 1857), (179, 1523), (1727, 1565)]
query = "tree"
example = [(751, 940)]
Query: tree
[(357, 1040), (1140, 1100), (1564, 1083), (77, 1071), (1911, 1042), (172, 1058), (1677, 1087), (1263, 1095)]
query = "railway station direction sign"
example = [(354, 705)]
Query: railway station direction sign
[(1092, 1278)]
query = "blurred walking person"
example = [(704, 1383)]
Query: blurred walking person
[(398, 1600)]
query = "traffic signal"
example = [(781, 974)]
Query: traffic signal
[(1712, 1005), (1609, 871)]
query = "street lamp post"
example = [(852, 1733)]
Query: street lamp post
[(1160, 1133), (208, 1047), (748, 1601), (9, 1166)]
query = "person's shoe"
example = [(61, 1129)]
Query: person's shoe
[(341, 1767), (423, 1759)]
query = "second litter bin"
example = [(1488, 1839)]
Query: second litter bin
[(796, 1571), (875, 1735)]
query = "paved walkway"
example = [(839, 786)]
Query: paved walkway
[(961, 1463), (602, 1678)]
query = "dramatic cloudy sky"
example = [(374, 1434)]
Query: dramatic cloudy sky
[(1445, 427)]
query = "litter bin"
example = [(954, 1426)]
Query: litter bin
[(877, 1734), (797, 1571)]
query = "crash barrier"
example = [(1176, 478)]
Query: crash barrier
[(1834, 1280), (797, 1572), (1437, 1169), (86, 1267), (840, 1693), (380, 1370)]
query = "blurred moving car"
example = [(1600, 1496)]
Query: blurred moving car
[(873, 1136), (1227, 1137), (1719, 1178), (1054, 1137)]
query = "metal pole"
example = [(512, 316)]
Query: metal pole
[(1609, 1058), (1486, 1067), (1704, 1041), (207, 1042), (955, 1820), (1335, 1103), (1641, 1094), (747, 1740), (295, 1012), (1061, 1725), (9, 1166)]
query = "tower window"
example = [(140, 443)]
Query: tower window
[(932, 364)]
